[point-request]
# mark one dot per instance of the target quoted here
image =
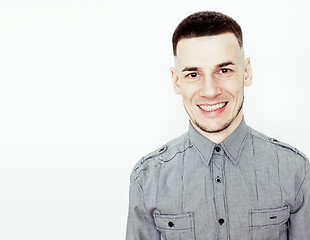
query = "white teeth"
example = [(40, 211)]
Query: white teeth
[(214, 107)]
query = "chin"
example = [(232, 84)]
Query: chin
[(214, 129)]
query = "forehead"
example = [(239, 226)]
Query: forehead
[(208, 51)]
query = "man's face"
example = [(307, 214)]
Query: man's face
[(210, 75)]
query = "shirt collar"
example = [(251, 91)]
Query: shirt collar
[(232, 145)]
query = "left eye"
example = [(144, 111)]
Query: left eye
[(224, 70)]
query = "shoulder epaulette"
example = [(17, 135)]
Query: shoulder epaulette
[(164, 154), (156, 153), (151, 155), (287, 146)]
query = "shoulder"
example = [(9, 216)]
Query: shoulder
[(284, 150), (150, 162)]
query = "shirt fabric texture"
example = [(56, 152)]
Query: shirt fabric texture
[(249, 186)]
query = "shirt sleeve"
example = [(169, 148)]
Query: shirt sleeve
[(300, 213), (140, 222)]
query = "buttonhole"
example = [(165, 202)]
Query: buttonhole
[(163, 148), (273, 217), (170, 224)]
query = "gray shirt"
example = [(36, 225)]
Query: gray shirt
[(247, 187)]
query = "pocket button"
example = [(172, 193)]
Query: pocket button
[(170, 224)]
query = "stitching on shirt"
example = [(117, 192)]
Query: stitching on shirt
[(304, 180), (285, 209), (281, 188), (204, 160), (270, 210), (218, 166), (157, 189), (225, 199), (214, 201), (280, 144), (142, 196), (190, 146), (170, 217), (183, 160), (161, 161), (242, 145), (260, 138), (166, 146), (255, 173), (138, 174), (205, 188), (153, 156), (272, 224), (290, 148)]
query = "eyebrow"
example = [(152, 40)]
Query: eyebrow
[(190, 69), (224, 64)]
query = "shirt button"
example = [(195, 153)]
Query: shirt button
[(170, 224), (218, 179), (217, 148), (221, 221)]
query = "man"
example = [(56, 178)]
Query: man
[(221, 179)]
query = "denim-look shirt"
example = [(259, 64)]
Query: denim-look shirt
[(247, 187)]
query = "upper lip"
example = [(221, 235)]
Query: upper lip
[(211, 104)]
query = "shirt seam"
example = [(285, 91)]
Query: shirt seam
[(281, 146), (279, 175), (304, 180), (263, 139), (183, 151), (160, 161), (142, 196)]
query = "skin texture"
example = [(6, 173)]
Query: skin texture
[(208, 71)]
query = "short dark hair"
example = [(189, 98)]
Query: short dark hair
[(207, 23)]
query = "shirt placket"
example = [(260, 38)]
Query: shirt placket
[(218, 175)]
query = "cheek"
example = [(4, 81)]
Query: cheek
[(188, 94), (234, 88)]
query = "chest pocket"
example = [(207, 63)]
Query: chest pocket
[(269, 224), (175, 226)]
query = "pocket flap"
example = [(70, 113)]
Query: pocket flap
[(173, 221), (265, 217)]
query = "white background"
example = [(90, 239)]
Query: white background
[(85, 92)]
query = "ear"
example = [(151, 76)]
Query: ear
[(248, 73), (175, 80)]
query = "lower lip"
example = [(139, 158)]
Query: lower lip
[(213, 113)]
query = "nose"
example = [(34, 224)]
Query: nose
[(210, 87)]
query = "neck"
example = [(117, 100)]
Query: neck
[(222, 135)]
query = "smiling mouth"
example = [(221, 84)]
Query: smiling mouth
[(210, 108)]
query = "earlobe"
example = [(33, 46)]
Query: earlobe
[(248, 73), (175, 80)]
